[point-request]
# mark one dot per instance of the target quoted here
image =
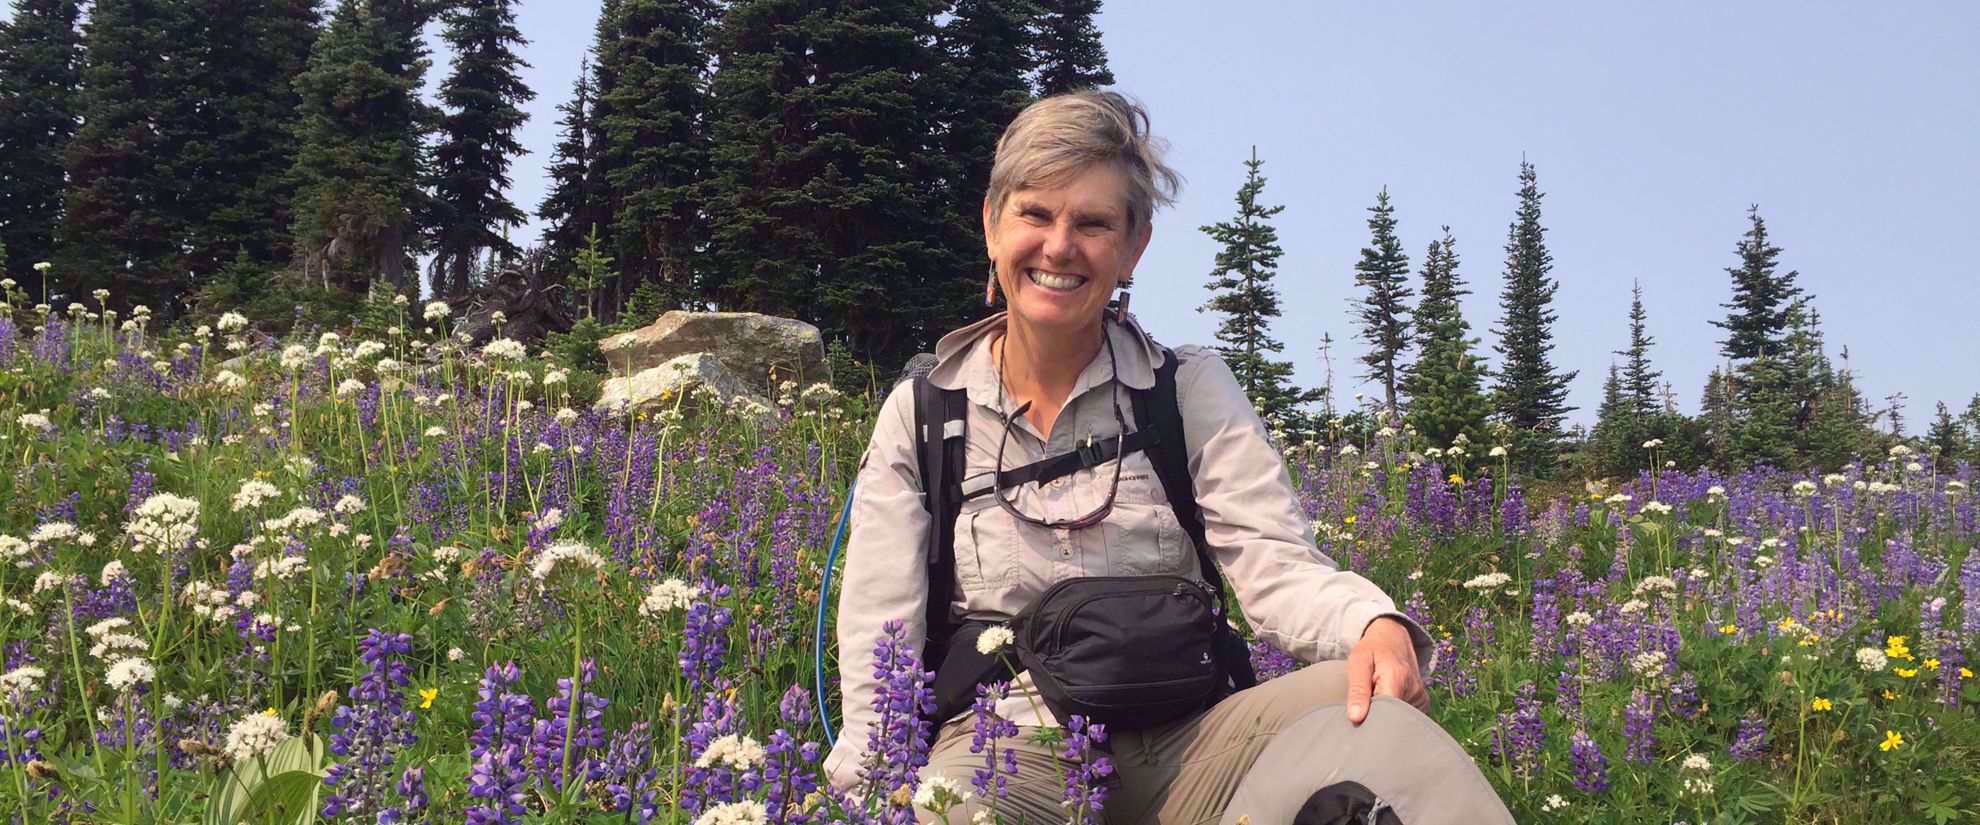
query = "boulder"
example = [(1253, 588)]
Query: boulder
[(658, 388), (762, 350)]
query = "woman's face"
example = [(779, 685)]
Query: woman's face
[(1060, 252)]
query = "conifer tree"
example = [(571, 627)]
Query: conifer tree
[(1445, 382), (1382, 311), (1069, 53), (827, 201), (986, 44), (242, 100), (1617, 428), (1715, 410), (357, 168), (1530, 395), (1639, 380), (1840, 425), (1767, 407), (654, 156), (575, 207), (123, 224), (1947, 436), (41, 62), (483, 97), (1970, 419), (1758, 317), (1241, 285)]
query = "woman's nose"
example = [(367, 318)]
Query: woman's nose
[(1060, 242)]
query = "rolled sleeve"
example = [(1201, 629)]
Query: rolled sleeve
[(884, 578), (1294, 596)]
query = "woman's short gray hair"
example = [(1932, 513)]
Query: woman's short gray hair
[(1061, 136)]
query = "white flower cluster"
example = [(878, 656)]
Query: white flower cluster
[(1487, 581), (1804, 488), (209, 602), (34, 421), (52, 532), (126, 674), (1656, 507), (14, 550), (668, 596), (1554, 803), (253, 493), (749, 812), (994, 638), (939, 793), (1649, 664), (1871, 659), (564, 554), (163, 523), (284, 568), (1715, 491), (18, 684), (349, 387), (112, 571), (1579, 618), (738, 752), (255, 734), (1653, 586), (505, 349)]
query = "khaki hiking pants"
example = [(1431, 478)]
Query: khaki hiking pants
[(1259, 754)]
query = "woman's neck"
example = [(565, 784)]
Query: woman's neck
[(1041, 367)]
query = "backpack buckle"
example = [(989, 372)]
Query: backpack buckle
[(1092, 454)]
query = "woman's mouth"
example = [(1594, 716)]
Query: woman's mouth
[(1055, 281)]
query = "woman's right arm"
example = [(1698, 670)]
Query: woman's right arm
[(884, 575)]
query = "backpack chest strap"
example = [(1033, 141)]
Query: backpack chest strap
[(1093, 454)]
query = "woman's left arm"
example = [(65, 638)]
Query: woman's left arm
[(1294, 596)]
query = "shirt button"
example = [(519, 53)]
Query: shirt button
[(1065, 552), (1059, 482)]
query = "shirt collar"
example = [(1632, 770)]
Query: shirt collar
[(962, 359)]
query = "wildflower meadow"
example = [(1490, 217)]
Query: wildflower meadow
[(376, 574)]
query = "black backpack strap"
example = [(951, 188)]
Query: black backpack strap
[(1161, 409), (941, 426)]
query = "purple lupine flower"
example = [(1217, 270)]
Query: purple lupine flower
[(576, 711), (1591, 769), (412, 797), (1270, 662), (1684, 696), (712, 780), (1567, 693), (1949, 678), (1086, 789), (629, 770), (371, 728), (499, 776), (1969, 585), (1750, 740), (898, 740), (789, 775), (993, 779), (705, 638), (1520, 734), (1639, 728)]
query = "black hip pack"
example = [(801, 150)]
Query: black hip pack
[(1124, 651)]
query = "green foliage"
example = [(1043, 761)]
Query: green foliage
[(1067, 47), (483, 97), (1242, 292), (40, 104), (575, 205), (1530, 396), (1639, 380), (1758, 317), (1445, 383), (579, 347), (1382, 311)]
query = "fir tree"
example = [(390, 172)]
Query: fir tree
[(1947, 438), (1715, 410), (1382, 311), (1970, 419), (654, 157), (123, 224), (1243, 293), (1839, 427), (244, 106), (357, 166), (1445, 382), (483, 98), (574, 207), (1616, 440), (1067, 44), (41, 64), (1758, 316), (1639, 380), (827, 202), (1530, 396), (986, 44), (1764, 424)]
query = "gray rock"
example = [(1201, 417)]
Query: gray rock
[(762, 350), (661, 387)]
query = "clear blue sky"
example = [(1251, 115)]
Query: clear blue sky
[(1856, 127)]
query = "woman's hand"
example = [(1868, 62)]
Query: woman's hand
[(1383, 663)]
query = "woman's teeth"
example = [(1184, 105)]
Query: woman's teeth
[(1052, 281)]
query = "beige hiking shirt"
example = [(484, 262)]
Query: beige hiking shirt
[(1294, 597)]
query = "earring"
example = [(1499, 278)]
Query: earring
[(990, 287)]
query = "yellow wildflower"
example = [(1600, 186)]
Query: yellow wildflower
[(1888, 694), (1906, 672), (1932, 663), (268, 712), (1457, 479), (1892, 741), (1729, 628), (1965, 674), (426, 697), (1821, 704), (1894, 647), (1348, 520)]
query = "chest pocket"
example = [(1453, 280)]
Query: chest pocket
[(1142, 535), (986, 548)]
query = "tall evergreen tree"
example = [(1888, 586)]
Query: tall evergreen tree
[(1947, 436), (1617, 429), (357, 168), (243, 100), (1530, 396), (483, 98), (1382, 311), (123, 223), (41, 63), (654, 157), (986, 44), (1445, 382), (1767, 408), (575, 204), (828, 200), (1639, 380), (1715, 410), (1067, 44), (1241, 285), (1758, 316)]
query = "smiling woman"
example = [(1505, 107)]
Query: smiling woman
[(1039, 561)]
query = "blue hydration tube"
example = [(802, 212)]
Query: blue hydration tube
[(818, 632)]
